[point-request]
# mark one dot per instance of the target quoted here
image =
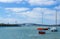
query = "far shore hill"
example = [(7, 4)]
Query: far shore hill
[(26, 24)]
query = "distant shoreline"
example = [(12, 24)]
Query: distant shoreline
[(4, 25), (19, 25)]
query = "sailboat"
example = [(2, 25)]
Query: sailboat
[(42, 30), (54, 29)]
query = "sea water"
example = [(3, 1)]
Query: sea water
[(27, 33)]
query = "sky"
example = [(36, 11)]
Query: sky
[(29, 11)]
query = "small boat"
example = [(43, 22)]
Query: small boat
[(42, 28), (53, 29), (41, 32)]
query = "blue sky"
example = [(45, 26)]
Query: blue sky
[(29, 11)]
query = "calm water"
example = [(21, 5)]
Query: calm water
[(26, 33)]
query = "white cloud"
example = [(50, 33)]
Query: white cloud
[(57, 7), (28, 16), (8, 20), (24, 12), (33, 2), (17, 10), (10, 1), (48, 14), (42, 2), (35, 15)]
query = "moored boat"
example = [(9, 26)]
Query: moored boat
[(42, 28), (41, 32), (53, 29)]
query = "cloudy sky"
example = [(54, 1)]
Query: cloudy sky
[(29, 11)]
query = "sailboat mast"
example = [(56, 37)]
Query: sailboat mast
[(56, 17), (42, 17)]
